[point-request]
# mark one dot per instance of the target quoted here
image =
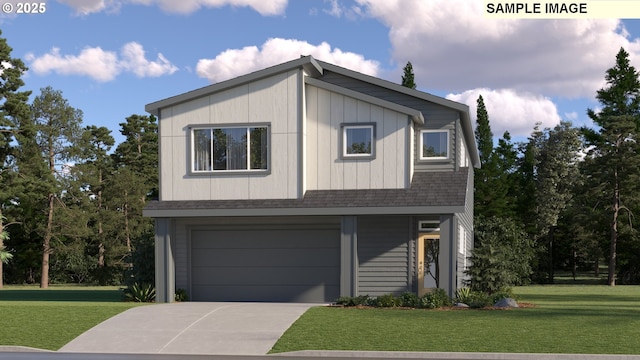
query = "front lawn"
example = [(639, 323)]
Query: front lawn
[(50, 318), (565, 319)]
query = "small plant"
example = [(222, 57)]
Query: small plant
[(479, 300), (140, 293), (503, 294), (463, 295), (387, 300), (409, 299), (436, 299), (181, 295), (353, 300)]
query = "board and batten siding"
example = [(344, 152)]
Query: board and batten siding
[(273, 100), (326, 170), (383, 255), (435, 116)]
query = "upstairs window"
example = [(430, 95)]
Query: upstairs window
[(434, 144), (231, 148), (358, 141)]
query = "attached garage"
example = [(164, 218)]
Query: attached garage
[(282, 264)]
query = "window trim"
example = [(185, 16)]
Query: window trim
[(343, 141), (191, 156), (421, 144)]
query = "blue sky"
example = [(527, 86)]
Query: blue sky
[(111, 57)]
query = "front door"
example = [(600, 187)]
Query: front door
[(428, 262)]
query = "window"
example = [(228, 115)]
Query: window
[(434, 144), (358, 141), (229, 149)]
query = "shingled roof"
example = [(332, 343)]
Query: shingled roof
[(430, 192)]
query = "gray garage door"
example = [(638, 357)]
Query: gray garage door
[(287, 265)]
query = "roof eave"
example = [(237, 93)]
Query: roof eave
[(308, 63)]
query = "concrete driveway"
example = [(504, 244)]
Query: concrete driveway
[(191, 328)]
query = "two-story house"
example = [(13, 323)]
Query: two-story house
[(307, 181)]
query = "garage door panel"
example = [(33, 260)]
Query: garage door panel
[(266, 257), (307, 294), (264, 276), (273, 264), (234, 239)]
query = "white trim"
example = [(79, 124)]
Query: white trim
[(421, 144), (247, 127), (372, 132)]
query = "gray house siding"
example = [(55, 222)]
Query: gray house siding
[(466, 221), (317, 224), (383, 254)]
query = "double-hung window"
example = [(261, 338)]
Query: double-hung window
[(358, 141), (434, 144), (229, 148)]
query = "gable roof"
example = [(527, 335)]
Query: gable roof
[(315, 68), (430, 193)]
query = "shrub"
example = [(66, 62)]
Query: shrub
[(140, 293), (480, 299), (409, 299), (353, 300), (436, 299), (502, 256), (387, 300), (463, 295), (506, 293), (181, 295)]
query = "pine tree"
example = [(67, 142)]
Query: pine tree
[(57, 126), (616, 161), (408, 77), (13, 107)]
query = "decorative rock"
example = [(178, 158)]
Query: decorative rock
[(460, 305), (506, 303)]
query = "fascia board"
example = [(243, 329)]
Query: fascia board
[(308, 63), (412, 210)]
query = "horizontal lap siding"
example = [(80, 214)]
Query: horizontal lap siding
[(383, 254)]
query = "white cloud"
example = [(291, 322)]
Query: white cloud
[(235, 62), (510, 110), (571, 116), (453, 46), (264, 7), (133, 60), (99, 64), (85, 7), (93, 62)]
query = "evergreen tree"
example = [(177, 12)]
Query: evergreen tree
[(13, 107), (615, 153), (408, 77), (557, 176), (57, 126), (134, 182)]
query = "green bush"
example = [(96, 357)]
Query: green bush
[(463, 295), (436, 299), (409, 299), (387, 300), (140, 293), (181, 295), (480, 299), (353, 300)]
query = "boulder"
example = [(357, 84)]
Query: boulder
[(460, 305), (506, 303)]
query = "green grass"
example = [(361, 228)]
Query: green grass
[(566, 319), (50, 318)]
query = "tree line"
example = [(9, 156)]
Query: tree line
[(565, 199), (71, 200)]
